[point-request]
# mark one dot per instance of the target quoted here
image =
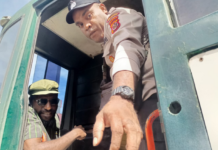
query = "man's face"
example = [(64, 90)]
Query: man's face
[(46, 112), (90, 20)]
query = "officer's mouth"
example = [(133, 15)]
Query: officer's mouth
[(92, 34)]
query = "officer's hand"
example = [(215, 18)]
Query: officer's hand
[(119, 114), (79, 130)]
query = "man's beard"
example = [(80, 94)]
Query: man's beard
[(51, 127), (49, 124)]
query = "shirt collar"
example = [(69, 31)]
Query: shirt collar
[(111, 10)]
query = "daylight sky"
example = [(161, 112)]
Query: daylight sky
[(10, 7)]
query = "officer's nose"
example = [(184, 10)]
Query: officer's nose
[(48, 106), (87, 26)]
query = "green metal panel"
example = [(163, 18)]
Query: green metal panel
[(171, 49), (12, 99)]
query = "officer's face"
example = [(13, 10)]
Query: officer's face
[(45, 111), (91, 21)]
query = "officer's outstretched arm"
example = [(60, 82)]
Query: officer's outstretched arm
[(120, 115), (126, 32)]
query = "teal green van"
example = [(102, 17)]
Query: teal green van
[(184, 46)]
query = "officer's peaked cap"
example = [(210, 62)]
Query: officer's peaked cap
[(75, 4)]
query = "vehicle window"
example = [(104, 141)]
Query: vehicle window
[(44, 69), (6, 48), (190, 10)]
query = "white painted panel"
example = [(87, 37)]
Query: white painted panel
[(71, 33), (204, 68)]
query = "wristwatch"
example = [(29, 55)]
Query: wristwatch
[(125, 92)]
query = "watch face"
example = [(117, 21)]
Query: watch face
[(127, 92)]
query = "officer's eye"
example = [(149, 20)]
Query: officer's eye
[(89, 16)]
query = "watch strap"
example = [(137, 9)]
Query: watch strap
[(117, 90)]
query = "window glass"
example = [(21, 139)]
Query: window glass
[(190, 10), (62, 88), (53, 72), (33, 69), (6, 48), (44, 69), (40, 68)]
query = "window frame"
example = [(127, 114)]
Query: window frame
[(48, 59), (21, 18), (26, 84), (171, 4)]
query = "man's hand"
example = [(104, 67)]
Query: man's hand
[(61, 143), (79, 130), (119, 114)]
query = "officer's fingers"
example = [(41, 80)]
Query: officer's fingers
[(139, 136), (98, 129), (134, 134), (117, 132)]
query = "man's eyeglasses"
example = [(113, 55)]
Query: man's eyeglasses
[(44, 101)]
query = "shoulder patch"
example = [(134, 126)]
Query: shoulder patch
[(114, 22)]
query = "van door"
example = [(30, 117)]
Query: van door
[(16, 45), (178, 32)]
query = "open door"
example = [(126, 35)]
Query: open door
[(16, 45), (173, 44)]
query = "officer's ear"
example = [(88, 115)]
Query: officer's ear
[(103, 8)]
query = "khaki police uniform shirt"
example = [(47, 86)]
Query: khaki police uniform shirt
[(126, 47), (35, 127)]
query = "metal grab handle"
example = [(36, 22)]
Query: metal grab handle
[(149, 131)]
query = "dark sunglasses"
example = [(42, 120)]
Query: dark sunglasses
[(44, 101)]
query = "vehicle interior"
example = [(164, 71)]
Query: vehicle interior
[(67, 47)]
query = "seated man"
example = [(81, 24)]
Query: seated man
[(42, 130)]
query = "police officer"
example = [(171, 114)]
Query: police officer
[(123, 33)]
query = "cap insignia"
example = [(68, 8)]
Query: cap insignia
[(73, 4)]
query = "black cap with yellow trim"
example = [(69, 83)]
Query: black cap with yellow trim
[(43, 87), (75, 4)]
